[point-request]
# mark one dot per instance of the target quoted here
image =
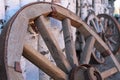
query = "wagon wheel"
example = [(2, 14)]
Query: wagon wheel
[(108, 29), (13, 45), (111, 32), (94, 23)]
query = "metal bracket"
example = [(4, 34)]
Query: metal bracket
[(17, 67), (54, 12)]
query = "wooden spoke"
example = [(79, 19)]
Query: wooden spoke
[(86, 54), (14, 34), (117, 64), (43, 63), (52, 45), (94, 25), (99, 44), (111, 40), (110, 46), (105, 24), (69, 44), (109, 72)]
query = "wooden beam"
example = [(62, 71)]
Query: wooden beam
[(52, 45), (69, 44), (43, 63), (109, 72), (86, 54)]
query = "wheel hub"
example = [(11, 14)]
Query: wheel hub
[(93, 74), (85, 72)]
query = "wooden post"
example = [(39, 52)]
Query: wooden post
[(43, 63)]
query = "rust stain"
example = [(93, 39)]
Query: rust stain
[(17, 67)]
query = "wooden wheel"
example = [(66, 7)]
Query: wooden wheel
[(110, 32), (13, 46), (94, 23), (108, 29)]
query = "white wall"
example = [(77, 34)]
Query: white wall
[(2, 12), (2, 9), (12, 7)]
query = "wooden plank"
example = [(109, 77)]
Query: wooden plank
[(109, 72), (52, 45), (43, 63), (69, 44), (86, 54)]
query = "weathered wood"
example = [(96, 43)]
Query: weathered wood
[(117, 64), (69, 44), (43, 63), (32, 11), (109, 72), (52, 45), (86, 54), (19, 25), (14, 75), (81, 26)]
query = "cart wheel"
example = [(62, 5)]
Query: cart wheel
[(111, 32), (94, 23), (13, 44)]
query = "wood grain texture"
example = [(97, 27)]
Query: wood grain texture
[(117, 64), (43, 63), (52, 45), (86, 54), (69, 43), (109, 72), (13, 40), (14, 75)]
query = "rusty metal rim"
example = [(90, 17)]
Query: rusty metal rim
[(88, 70), (93, 74), (74, 71)]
